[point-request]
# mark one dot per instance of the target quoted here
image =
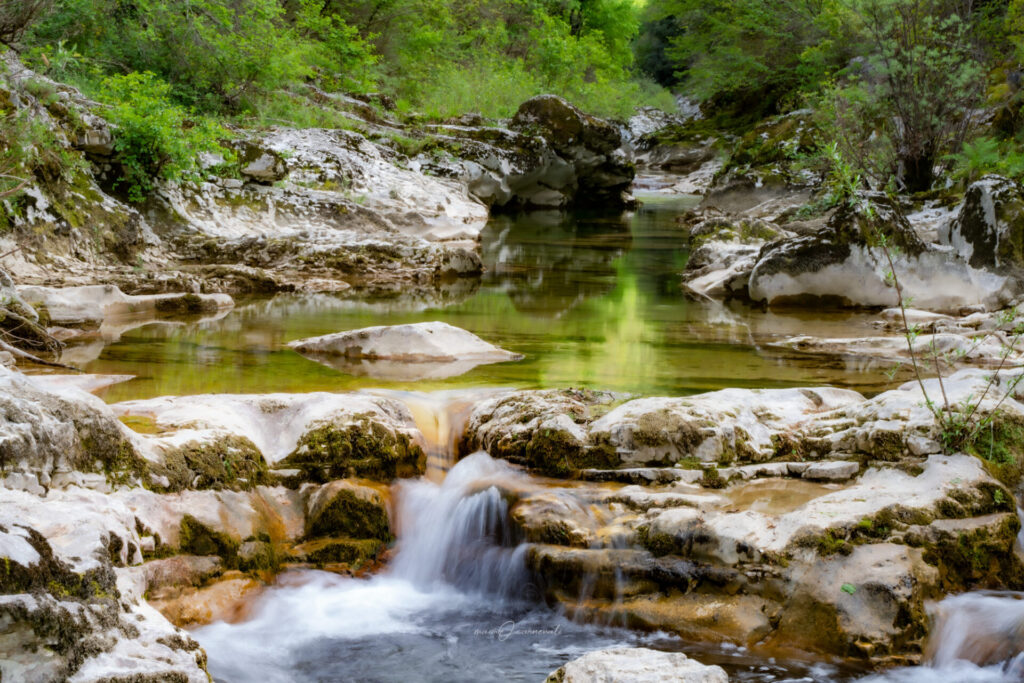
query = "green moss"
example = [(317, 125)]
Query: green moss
[(231, 462), (365, 449), (349, 515), (887, 446), (262, 557), (976, 558), (186, 304), (1000, 445), (713, 479), (195, 538), (354, 552), (659, 544), (123, 467), (558, 453)]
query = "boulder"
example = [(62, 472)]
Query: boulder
[(348, 509), (844, 265), (431, 350), (320, 435), (590, 145), (989, 230), (637, 665)]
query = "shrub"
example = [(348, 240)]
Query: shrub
[(154, 137)]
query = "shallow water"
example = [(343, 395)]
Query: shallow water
[(589, 300)]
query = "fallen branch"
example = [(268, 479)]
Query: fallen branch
[(15, 351)]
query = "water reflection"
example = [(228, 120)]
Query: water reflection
[(590, 300)]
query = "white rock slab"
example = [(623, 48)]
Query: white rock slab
[(430, 350), (637, 665)]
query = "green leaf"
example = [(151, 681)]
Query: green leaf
[(849, 588)]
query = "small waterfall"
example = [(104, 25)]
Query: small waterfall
[(458, 532), (984, 627), (441, 418)]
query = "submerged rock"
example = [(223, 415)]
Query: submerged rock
[(432, 350), (637, 665)]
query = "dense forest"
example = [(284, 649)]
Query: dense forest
[(898, 86)]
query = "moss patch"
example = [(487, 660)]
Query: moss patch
[(347, 514), (195, 538), (365, 449), (232, 462)]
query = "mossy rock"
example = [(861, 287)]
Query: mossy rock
[(185, 304), (974, 554), (230, 462), (258, 555), (196, 538), (351, 551), (51, 575), (343, 508), (365, 448)]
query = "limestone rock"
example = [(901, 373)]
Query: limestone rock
[(431, 350), (868, 603), (325, 436), (45, 434), (589, 144), (637, 665), (843, 265), (93, 304), (989, 230)]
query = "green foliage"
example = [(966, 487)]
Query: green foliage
[(754, 53), (154, 137), (987, 155), (442, 56)]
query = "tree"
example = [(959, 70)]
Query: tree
[(16, 16), (926, 75)]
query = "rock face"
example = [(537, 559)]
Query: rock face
[(85, 502), (431, 350), (637, 665), (989, 230), (844, 265)]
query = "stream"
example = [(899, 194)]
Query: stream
[(591, 301)]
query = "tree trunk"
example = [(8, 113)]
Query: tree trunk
[(918, 172)]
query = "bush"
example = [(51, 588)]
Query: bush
[(154, 137)]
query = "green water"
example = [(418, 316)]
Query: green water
[(590, 301)]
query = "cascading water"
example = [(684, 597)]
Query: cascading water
[(458, 532), (977, 638)]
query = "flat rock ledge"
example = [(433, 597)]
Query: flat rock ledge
[(637, 665), (429, 350)]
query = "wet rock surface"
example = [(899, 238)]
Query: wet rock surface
[(639, 665)]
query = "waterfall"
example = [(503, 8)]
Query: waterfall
[(984, 627), (458, 532)]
